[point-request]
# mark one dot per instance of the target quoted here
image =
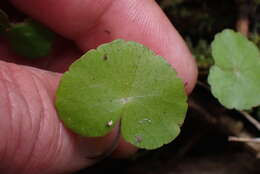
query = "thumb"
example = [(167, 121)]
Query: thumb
[(33, 140)]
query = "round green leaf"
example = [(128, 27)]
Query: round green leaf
[(31, 39), (235, 77), (123, 81)]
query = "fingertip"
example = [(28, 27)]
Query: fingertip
[(124, 149), (98, 148)]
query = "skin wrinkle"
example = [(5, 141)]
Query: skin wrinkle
[(95, 20), (12, 80), (85, 40), (22, 101), (27, 106), (133, 13), (28, 115), (53, 139), (57, 145), (20, 117), (6, 139), (44, 114), (91, 27), (78, 7), (146, 21), (60, 144), (39, 127), (30, 155), (10, 146), (23, 78), (164, 41), (15, 100), (47, 84), (60, 148)]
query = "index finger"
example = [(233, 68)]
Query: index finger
[(91, 23)]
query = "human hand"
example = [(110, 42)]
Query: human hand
[(33, 140)]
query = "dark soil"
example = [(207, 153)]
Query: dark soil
[(201, 148)]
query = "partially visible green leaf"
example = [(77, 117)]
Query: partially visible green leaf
[(31, 39), (202, 53), (235, 77), (123, 80), (4, 22)]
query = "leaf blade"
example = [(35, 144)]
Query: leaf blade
[(124, 80), (235, 77), (30, 39)]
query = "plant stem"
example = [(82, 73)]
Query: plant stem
[(246, 140), (251, 119)]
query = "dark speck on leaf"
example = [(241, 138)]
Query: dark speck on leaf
[(138, 139), (105, 57), (107, 32), (185, 84)]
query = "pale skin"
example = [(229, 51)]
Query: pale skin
[(33, 140)]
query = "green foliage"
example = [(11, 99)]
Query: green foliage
[(169, 3), (202, 53), (257, 2), (200, 19), (123, 81), (30, 39), (255, 38), (235, 77), (4, 22)]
